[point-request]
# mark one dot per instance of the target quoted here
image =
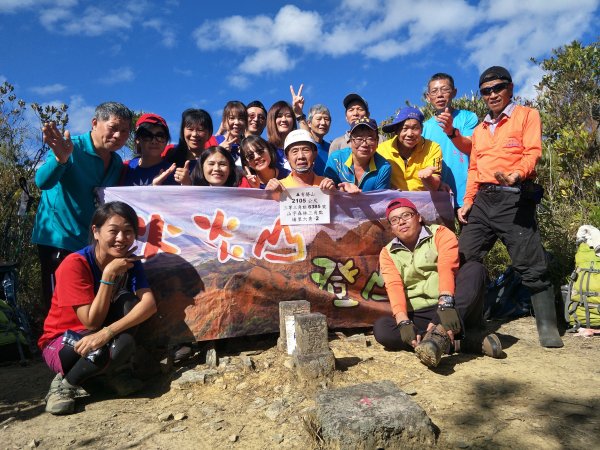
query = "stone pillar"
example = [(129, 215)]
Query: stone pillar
[(288, 309), (312, 357)]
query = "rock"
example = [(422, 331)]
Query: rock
[(165, 417), (240, 387), (251, 353), (288, 363), (33, 443), (462, 444), (189, 396), (275, 409), (191, 377), (277, 438), (259, 402), (372, 415), (410, 391), (178, 429), (211, 356), (233, 438), (360, 339), (224, 361), (247, 362), (180, 416)]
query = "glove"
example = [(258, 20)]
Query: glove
[(407, 332), (448, 315)]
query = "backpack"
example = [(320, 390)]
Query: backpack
[(13, 339), (506, 297), (582, 302)]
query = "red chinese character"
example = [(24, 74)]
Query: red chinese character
[(219, 232), (270, 237), (153, 233)]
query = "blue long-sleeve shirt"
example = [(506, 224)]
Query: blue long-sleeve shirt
[(68, 200)]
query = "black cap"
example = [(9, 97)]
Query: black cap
[(494, 73), (355, 97)]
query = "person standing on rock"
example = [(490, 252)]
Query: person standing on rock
[(432, 300), (501, 197)]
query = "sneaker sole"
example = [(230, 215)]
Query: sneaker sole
[(491, 346)]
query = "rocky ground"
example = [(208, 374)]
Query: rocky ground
[(533, 398)]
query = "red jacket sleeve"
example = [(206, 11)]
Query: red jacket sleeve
[(393, 283), (448, 261)]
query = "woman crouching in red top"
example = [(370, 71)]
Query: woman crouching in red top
[(101, 294)]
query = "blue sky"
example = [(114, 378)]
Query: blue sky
[(164, 57)]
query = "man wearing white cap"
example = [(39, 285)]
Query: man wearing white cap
[(301, 152)]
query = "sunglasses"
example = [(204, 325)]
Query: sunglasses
[(250, 154), (496, 89)]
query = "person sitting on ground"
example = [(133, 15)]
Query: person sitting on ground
[(151, 135), (301, 151), (416, 162), (233, 126), (259, 162), (360, 168), (215, 167), (257, 118), (101, 294), (280, 121), (356, 108), (74, 168), (432, 300)]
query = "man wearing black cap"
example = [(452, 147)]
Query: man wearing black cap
[(501, 197), (356, 108)]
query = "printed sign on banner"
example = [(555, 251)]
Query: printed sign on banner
[(219, 260), (305, 206)]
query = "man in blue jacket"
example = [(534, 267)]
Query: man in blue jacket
[(68, 178)]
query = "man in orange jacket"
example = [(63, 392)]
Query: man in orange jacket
[(501, 197)]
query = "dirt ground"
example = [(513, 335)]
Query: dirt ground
[(535, 398)]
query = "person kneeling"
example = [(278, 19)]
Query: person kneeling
[(101, 294), (432, 299)]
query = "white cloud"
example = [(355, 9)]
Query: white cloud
[(479, 34), (120, 75), (267, 60), (92, 21), (168, 35), (238, 81), (80, 115), (48, 89), (11, 6), (184, 72)]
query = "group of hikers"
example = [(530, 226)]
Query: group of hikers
[(94, 284)]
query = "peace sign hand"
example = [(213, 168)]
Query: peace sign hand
[(163, 175), (253, 180), (297, 100), (62, 147)]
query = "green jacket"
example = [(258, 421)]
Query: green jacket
[(418, 270)]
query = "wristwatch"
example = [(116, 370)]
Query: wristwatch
[(301, 117), (453, 135)]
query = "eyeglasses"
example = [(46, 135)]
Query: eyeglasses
[(251, 154), (257, 117), (149, 137), (370, 140), (496, 89), (402, 218), (443, 90)]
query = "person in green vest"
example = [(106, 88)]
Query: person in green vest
[(432, 299)]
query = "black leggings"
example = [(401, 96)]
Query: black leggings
[(468, 300), (116, 353)]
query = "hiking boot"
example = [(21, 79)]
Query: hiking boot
[(54, 385), (434, 344), (479, 342), (60, 399), (545, 318)]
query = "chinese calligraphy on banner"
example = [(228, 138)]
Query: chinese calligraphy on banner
[(220, 260)]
